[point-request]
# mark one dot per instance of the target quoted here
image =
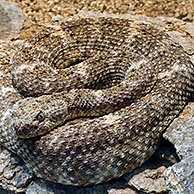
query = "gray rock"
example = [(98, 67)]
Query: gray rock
[(3, 191), (180, 177), (11, 18), (122, 191), (13, 174), (149, 181), (181, 132)]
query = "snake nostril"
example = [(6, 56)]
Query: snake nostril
[(20, 131), (35, 127)]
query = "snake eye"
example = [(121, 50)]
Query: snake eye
[(40, 116)]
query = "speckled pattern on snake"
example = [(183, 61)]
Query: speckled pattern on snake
[(98, 94)]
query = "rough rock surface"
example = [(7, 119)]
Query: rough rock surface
[(180, 177), (181, 133), (11, 18), (13, 175)]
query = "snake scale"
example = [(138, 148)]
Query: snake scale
[(98, 94)]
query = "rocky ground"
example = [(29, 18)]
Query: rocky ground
[(38, 12), (178, 175)]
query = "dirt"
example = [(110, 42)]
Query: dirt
[(39, 12)]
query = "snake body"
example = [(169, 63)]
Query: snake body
[(98, 94)]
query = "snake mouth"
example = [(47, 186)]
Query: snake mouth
[(26, 131)]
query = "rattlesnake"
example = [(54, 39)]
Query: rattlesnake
[(123, 81)]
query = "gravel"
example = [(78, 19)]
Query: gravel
[(39, 12)]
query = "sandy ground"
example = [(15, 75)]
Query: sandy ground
[(38, 12)]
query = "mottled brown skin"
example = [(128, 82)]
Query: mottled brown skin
[(128, 79)]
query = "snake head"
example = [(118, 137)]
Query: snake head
[(32, 117)]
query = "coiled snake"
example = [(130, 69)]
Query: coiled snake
[(98, 93)]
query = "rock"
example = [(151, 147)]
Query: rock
[(3, 191), (122, 191), (149, 181), (11, 18), (181, 132), (10, 165), (180, 177)]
